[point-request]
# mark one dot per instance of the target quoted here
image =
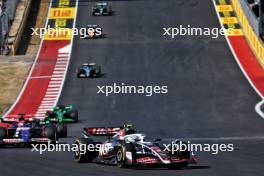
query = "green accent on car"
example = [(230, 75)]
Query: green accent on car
[(62, 114)]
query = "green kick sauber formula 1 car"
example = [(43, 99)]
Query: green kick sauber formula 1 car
[(61, 115), (64, 114)]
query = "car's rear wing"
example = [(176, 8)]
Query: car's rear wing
[(16, 118), (101, 131)]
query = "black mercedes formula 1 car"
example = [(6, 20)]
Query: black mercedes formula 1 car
[(132, 150)]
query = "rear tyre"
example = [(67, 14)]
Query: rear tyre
[(185, 154), (62, 130), (50, 133), (78, 75), (98, 72), (2, 133), (82, 156)]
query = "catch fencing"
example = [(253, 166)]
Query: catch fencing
[(6, 18)]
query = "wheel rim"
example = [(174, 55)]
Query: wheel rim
[(119, 155), (77, 153)]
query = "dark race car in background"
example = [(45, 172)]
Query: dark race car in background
[(101, 9), (88, 70), (133, 150), (21, 130)]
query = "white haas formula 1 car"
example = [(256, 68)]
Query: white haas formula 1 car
[(132, 150)]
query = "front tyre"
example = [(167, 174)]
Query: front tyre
[(2, 135), (50, 133), (183, 154), (62, 130), (81, 155), (121, 159)]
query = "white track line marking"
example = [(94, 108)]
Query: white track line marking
[(59, 72), (50, 93), (53, 99), (228, 138), (59, 69), (56, 79), (61, 62), (50, 96), (63, 55), (57, 76), (63, 59), (31, 69), (40, 114), (49, 105), (53, 89), (54, 86), (47, 101), (44, 107), (257, 107), (69, 50), (44, 111), (55, 82), (39, 77)]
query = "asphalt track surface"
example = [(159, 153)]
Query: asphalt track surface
[(209, 99)]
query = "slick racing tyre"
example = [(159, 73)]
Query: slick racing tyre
[(182, 154), (50, 133), (81, 155), (121, 155), (62, 130), (185, 154), (78, 75), (2, 133)]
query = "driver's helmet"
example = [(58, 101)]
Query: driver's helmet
[(129, 128)]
